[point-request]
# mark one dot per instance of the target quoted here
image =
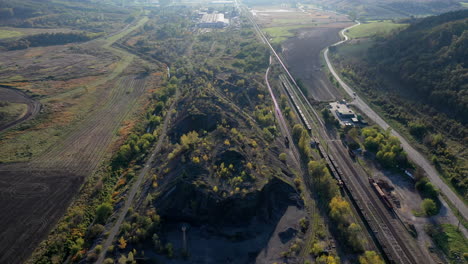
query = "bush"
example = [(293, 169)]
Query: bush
[(429, 207), (282, 157), (370, 257), (103, 212)]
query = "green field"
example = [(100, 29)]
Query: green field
[(451, 241), (9, 34), (464, 4), (374, 28), (280, 34), (11, 111)]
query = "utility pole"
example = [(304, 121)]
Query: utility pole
[(184, 238)]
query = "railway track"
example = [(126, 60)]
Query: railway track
[(388, 232)]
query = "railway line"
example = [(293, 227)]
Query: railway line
[(390, 234)]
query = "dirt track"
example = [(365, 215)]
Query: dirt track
[(302, 55), (15, 96), (34, 195)]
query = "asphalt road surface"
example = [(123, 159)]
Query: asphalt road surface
[(413, 154)]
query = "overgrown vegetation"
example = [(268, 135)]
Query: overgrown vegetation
[(84, 221), (451, 241), (338, 209), (48, 39)]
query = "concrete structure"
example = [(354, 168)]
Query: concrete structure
[(343, 110), (344, 114), (214, 20)]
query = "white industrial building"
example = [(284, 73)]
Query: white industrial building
[(214, 20)]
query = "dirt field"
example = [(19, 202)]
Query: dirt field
[(15, 96), (305, 33), (31, 202), (303, 57), (39, 191)]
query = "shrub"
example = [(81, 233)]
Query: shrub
[(282, 157), (103, 212), (370, 257), (429, 207)]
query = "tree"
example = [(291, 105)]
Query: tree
[(282, 157), (122, 243), (417, 129), (429, 207), (370, 257), (103, 212), (327, 260), (189, 140), (297, 132), (339, 209)]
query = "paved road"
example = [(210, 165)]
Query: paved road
[(413, 154)]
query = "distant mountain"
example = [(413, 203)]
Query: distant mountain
[(431, 58), (386, 9)]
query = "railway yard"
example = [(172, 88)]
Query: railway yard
[(375, 209)]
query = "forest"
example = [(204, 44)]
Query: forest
[(430, 57), (83, 15), (421, 79)]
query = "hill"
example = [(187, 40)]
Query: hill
[(417, 78), (430, 57), (84, 15), (386, 9)]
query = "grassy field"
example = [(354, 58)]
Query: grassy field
[(464, 4), (23, 144), (451, 241), (11, 112), (280, 34), (374, 28), (9, 34)]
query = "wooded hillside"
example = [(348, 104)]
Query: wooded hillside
[(431, 57)]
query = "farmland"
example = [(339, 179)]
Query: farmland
[(302, 34), (9, 34), (85, 93)]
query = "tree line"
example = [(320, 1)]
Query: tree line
[(48, 39)]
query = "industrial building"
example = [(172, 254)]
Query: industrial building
[(344, 114), (214, 20)]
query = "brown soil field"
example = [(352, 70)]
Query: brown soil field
[(32, 201), (54, 63), (15, 96), (36, 194), (302, 54), (314, 31)]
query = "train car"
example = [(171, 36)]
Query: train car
[(381, 194), (298, 109)]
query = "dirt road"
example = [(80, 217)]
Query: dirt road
[(136, 185), (413, 154), (16, 96)]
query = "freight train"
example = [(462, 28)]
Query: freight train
[(381, 194), (298, 109)]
